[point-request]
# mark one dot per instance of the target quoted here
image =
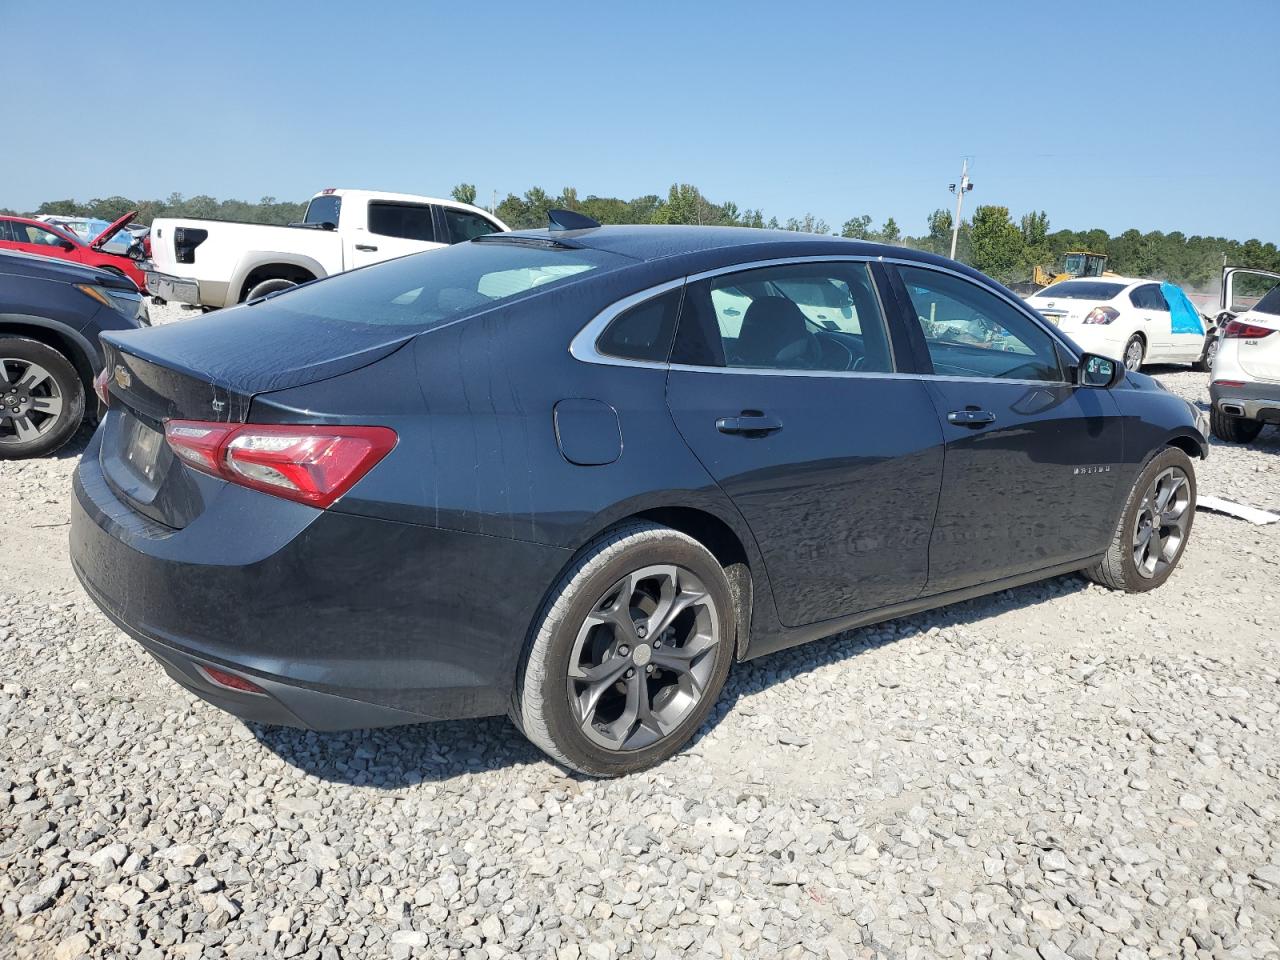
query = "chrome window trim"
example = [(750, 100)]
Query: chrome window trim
[(583, 346)]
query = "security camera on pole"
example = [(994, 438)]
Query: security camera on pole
[(965, 186)]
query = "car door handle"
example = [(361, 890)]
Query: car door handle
[(750, 425), (971, 418), (366, 247)]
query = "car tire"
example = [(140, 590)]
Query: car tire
[(22, 410), (1120, 567), (1205, 363), (584, 673), (1233, 429), (1135, 352), (274, 285)]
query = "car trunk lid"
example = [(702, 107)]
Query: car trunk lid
[(210, 368)]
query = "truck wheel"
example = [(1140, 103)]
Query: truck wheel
[(1233, 429), (268, 286), (41, 399)]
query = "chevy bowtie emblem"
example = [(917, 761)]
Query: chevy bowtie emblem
[(123, 378), (218, 405)]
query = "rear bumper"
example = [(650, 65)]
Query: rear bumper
[(1253, 401), (343, 621), (168, 287)]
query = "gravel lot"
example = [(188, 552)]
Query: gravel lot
[(1055, 771)]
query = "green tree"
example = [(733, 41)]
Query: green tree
[(808, 224), (889, 233), (997, 243), (59, 208), (938, 239), (464, 193), (857, 228)]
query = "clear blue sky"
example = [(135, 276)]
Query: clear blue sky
[(1159, 115)]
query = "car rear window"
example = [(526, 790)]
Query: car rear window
[(1270, 303), (427, 289), (1082, 290)]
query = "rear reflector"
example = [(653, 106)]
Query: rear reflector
[(1235, 330), (310, 463), (230, 680)]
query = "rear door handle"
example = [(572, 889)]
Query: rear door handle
[(757, 425), (366, 247), (971, 418)]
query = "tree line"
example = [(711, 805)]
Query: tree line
[(990, 239)]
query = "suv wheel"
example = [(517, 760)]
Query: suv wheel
[(1153, 528), (629, 654), (41, 399), (1233, 429)]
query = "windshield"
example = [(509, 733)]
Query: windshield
[(1081, 290), (323, 209), (427, 289)]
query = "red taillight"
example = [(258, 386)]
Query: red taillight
[(100, 387), (1228, 383), (1235, 330), (310, 463), (230, 680), (1101, 315)]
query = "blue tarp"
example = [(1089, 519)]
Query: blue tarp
[(1182, 312)]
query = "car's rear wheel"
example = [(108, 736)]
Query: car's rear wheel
[(1205, 363), (1233, 429), (41, 399), (1134, 351), (1154, 527), (629, 654)]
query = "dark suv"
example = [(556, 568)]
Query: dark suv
[(51, 313)]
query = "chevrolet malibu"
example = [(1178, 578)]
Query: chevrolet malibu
[(575, 475)]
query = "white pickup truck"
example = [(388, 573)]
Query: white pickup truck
[(219, 263)]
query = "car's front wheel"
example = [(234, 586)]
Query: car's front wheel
[(1154, 527), (41, 399), (629, 654)]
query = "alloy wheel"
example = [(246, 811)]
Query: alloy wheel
[(1133, 354), (1160, 527), (643, 657), (30, 401)]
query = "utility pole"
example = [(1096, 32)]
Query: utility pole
[(964, 186)]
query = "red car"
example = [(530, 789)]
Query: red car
[(34, 236)]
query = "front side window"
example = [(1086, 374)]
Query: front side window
[(324, 209), (971, 332), (810, 316), (28, 233), (408, 221), (465, 226)]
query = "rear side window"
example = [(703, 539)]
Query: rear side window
[(424, 290), (405, 220), (324, 209), (1148, 297), (465, 226), (645, 331)]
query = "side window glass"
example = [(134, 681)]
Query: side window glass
[(645, 331), (31, 234), (811, 316), (405, 220), (6, 232), (465, 226), (971, 332)]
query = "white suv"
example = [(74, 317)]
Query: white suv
[(1245, 387), (1126, 319)]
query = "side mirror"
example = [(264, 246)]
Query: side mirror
[(66, 245), (1096, 371)]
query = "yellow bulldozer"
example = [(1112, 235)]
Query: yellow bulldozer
[(1077, 263)]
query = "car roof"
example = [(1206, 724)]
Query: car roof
[(659, 241)]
